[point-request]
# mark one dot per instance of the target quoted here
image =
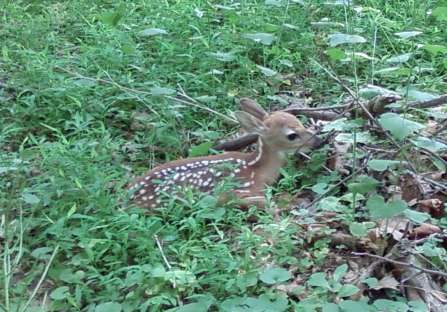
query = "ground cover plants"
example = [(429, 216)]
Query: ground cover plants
[(95, 92)]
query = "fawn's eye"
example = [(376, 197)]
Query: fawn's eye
[(292, 136)]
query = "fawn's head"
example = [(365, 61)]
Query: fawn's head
[(280, 131)]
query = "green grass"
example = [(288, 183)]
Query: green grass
[(70, 142)]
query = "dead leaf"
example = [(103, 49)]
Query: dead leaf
[(433, 206), (337, 161), (395, 226), (425, 229), (388, 282)]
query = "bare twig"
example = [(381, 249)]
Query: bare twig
[(44, 274), (168, 265), (410, 265), (316, 109), (160, 248), (426, 104)]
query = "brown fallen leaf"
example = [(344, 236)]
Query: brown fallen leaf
[(388, 281), (433, 206), (336, 161), (425, 229), (395, 226)]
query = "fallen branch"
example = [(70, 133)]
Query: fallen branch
[(405, 264), (236, 144), (426, 104)]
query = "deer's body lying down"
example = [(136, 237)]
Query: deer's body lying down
[(278, 132)]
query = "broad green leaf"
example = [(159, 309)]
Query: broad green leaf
[(263, 38), (112, 18), (440, 13), (207, 201), (149, 32), (354, 306), (180, 277), (337, 39), (360, 137), (335, 54), (381, 210), (401, 58), (200, 150), (267, 71), (382, 164), (223, 56), (339, 272), (200, 306), (275, 275), (363, 184), (30, 198), (372, 282), (416, 216), (108, 307), (408, 34), (417, 95), (60, 293), (72, 278), (417, 306), (429, 144), (348, 290), (42, 253), (358, 229), (249, 304), (318, 280), (330, 307), (435, 49), (320, 188), (371, 91), (331, 203), (390, 305), (343, 124), (398, 126), (159, 91)]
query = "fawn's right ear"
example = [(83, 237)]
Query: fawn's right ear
[(250, 106), (250, 123)]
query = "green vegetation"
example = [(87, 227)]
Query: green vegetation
[(87, 94)]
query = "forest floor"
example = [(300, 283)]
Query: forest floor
[(93, 93)]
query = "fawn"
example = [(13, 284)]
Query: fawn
[(277, 132)]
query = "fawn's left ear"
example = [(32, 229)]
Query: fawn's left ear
[(250, 106), (250, 123)]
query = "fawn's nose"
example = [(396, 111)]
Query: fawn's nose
[(317, 141)]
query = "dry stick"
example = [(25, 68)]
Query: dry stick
[(428, 271), (168, 265), (44, 274), (190, 102), (316, 109), (426, 104)]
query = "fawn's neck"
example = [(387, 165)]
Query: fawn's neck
[(266, 163)]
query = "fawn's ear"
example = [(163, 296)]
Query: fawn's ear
[(250, 123), (250, 106)]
